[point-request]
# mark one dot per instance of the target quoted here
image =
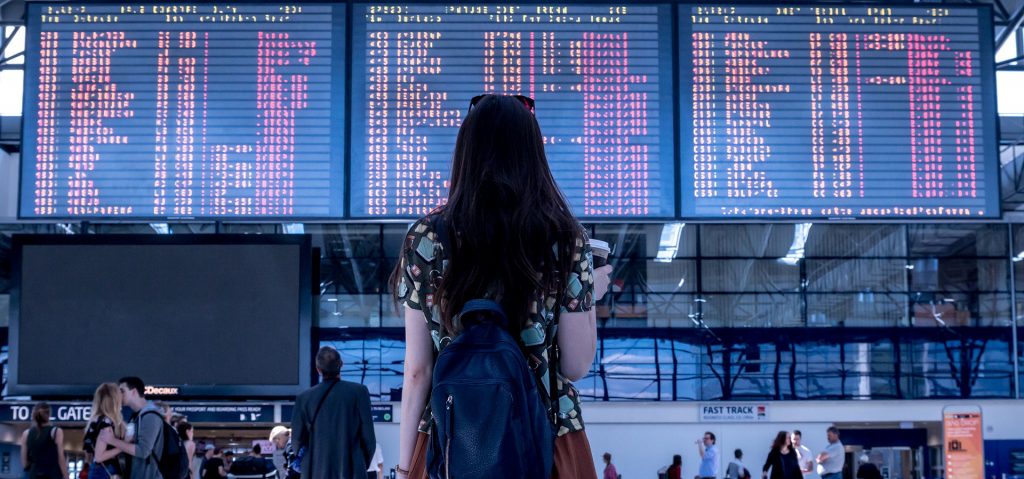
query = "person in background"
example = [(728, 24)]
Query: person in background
[(833, 458), (782, 459), (148, 427), (675, 471), (214, 467), (376, 470), (106, 414), (803, 454), (868, 469), (609, 468), (736, 469), (187, 435), (279, 437), (42, 447), (708, 456), (229, 460), (166, 410), (332, 421), (200, 461)]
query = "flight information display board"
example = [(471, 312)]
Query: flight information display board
[(601, 76), (184, 110), (853, 111)]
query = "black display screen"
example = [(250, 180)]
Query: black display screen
[(225, 314)]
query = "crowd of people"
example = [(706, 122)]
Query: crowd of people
[(788, 458), (157, 443)]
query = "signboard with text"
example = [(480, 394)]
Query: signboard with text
[(733, 412), (964, 443)]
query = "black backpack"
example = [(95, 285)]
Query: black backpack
[(172, 460), (488, 416)]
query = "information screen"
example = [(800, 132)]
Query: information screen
[(184, 110), (601, 76), (837, 112)]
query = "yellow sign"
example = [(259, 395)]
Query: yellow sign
[(965, 454)]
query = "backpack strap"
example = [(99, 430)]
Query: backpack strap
[(138, 430)]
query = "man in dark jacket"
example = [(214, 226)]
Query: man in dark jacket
[(332, 422)]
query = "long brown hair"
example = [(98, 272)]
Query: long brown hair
[(780, 440), (41, 414), (106, 402), (503, 216)]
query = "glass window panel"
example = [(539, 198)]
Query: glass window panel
[(347, 241), (677, 276), (12, 84), (853, 275), (5, 308), (360, 362), (647, 240), (749, 275), (394, 238), (846, 240), (749, 240), (671, 310), (961, 309), (857, 309), (752, 310), (354, 275), (630, 369), (350, 310), (959, 274), (948, 239)]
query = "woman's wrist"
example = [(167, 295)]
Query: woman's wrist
[(401, 471)]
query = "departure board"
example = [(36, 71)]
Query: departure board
[(184, 110), (854, 111), (601, 76)]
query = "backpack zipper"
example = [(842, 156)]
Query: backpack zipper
[(448, 439)]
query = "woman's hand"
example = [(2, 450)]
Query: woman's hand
[(602, 279)]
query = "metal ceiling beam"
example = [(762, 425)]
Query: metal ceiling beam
[(1013, 25)]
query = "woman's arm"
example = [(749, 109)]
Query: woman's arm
[(577, 343), (23, 443), (102, 454), (577, 332), (417, 376), (59, 439)]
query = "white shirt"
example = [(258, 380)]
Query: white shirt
[(378, 459), (805, 459)]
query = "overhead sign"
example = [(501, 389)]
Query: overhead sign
[(61, 412), (79, 412), (380, 412), (226, 413), (734, 412), (964, 444)]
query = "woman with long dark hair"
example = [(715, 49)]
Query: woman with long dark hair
[(782, 459), (42, 447), (512, 238)]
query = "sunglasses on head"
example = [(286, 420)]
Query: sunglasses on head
[(525, 100)]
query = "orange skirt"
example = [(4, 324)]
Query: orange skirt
[(573, 459)]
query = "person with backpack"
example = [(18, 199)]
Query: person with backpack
[(42, 447), (498, 287), (156, 449), (332, 425)]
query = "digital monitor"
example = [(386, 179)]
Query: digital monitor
[(192, 315), (601, 75), (183, 110), (843, 111)]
